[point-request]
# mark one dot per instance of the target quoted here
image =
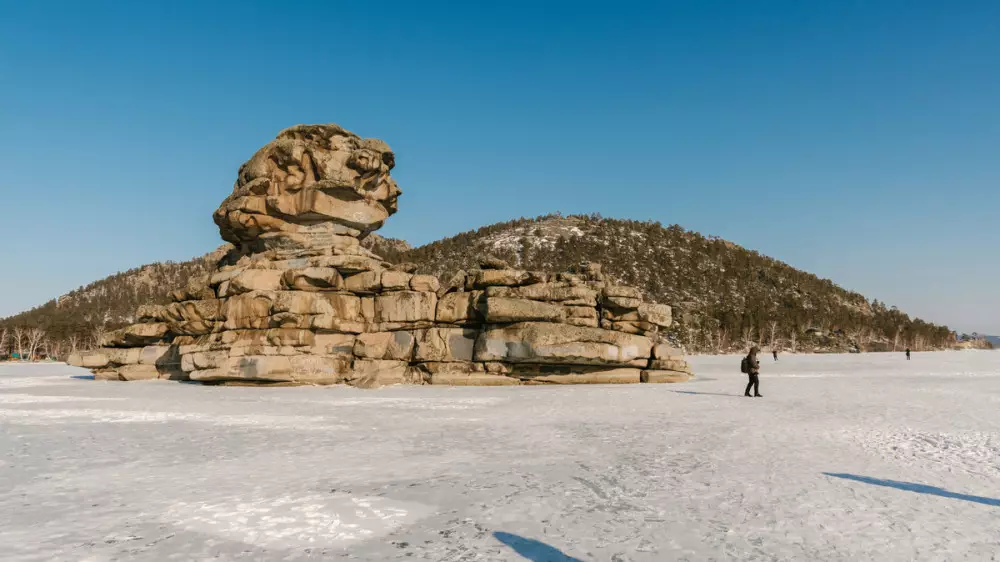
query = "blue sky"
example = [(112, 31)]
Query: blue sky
[(855, 140)]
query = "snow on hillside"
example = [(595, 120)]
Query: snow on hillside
[(544, 234), (847, 457)]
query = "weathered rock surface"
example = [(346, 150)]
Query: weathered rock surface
[(308, 187), (538, 342), (562, 374), (299, 300), (136, 334), (446, 344), (498, 310), (460, 308), (458, 378), (138, 372), (654, 376), (90, 360)]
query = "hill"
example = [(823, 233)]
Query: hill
[(79, 318), (724, 295)]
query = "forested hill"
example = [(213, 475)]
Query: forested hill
[(724, 295), (78, 318)]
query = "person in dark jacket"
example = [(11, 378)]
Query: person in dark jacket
[(907, 354), (775, 353), (753, 370)]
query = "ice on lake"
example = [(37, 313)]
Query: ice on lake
[(859, 457)]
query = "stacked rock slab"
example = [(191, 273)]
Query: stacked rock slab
[(299, 301)]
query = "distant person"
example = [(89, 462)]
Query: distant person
[(775, 353), (907, 354), (751, 366)]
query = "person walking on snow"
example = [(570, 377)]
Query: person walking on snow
[(907, 354), (753, 370), (775, 352)]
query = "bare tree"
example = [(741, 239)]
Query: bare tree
[(97, 334), (53, 348), (710, 341), (20, 338), (4, 335), (748, 336), (856, 334), (73, 341), (866, 336), (773, 324), (723, 341), (793, 340), (895, 341), (36, 337)]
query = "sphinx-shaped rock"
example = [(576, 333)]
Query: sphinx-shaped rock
[(298, 300)]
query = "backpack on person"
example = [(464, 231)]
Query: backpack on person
[(745, 365)]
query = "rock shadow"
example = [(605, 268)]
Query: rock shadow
[(533, 550), (83, 377), (918, 488)]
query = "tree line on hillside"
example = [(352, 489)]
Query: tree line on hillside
[(725, 296), (79, 319)]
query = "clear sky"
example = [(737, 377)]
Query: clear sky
[(856, 140)]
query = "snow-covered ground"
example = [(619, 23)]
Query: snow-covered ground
[(865, 457)]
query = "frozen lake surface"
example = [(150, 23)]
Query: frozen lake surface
[(862, 457)]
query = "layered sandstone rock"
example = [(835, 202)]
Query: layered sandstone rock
[(300, 301)]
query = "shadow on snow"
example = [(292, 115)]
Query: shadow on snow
[(706, 393), (533, 550), (918, 488)]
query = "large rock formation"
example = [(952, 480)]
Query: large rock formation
[(300, 301)]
